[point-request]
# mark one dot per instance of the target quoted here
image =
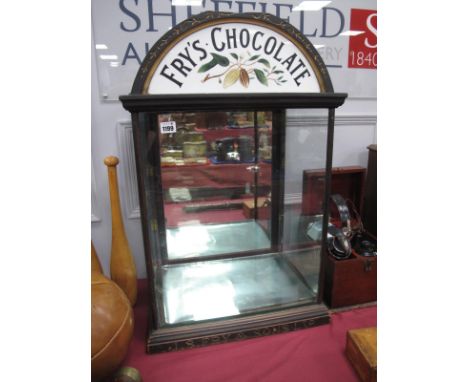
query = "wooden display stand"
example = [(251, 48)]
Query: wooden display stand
[(354, 280), (361, 351)]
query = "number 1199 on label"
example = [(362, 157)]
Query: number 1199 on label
[(168, 127)]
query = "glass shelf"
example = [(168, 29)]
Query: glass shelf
[(215, 239), (225, 288)]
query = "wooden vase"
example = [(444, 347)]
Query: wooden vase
[(122, 265)]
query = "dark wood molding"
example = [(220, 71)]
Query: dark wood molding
[(235, 329), (214, 102)]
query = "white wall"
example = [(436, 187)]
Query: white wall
[(104, 135), (356, 125)]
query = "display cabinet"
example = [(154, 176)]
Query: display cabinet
[(220, 167)]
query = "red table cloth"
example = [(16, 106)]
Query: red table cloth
[(315, 354)]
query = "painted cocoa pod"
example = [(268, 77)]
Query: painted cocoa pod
[(244, 78)]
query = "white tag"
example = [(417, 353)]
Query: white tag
[(168, 127)]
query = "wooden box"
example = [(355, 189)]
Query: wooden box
[(349, 281), (347, 181), (248, 208), (361, 351)]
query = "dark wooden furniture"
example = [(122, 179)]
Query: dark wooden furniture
[(167, 335), (349, 281), (369, 210), (347, 181)]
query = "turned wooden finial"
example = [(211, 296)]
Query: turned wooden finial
[(111, 161)]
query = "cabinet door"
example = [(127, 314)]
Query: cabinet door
[(216, 178)]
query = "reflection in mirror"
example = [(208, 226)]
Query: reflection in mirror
[(216, 180)]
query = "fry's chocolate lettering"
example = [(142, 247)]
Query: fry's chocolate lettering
[(219, 55)]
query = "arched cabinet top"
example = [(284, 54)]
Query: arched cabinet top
[(226, 53)]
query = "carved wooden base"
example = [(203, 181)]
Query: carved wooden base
[(235, 329)]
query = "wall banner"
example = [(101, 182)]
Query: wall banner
[(362, 51)]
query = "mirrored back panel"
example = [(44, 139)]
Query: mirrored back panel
[(216, 177)]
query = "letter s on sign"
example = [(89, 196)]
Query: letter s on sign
[(372, 30)]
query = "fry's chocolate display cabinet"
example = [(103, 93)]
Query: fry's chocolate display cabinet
[(220, 178)]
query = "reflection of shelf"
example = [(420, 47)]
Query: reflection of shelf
[(179, 213), (193, 240), (217, 176), (183, 163), (230, 127), (214, 161), (225, 128)]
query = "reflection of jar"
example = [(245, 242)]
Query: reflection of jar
[(194, 149), (260, 118), (263, 140), (193, 137), (265, 152), (190, 126)]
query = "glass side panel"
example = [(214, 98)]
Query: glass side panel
[(216, 182), (306, 143)]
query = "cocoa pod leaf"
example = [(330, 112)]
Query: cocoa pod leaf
[(244, 78), (264, 62), (220, 60), (253, 57), (231, 78), (205, 67), (261, 77)]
